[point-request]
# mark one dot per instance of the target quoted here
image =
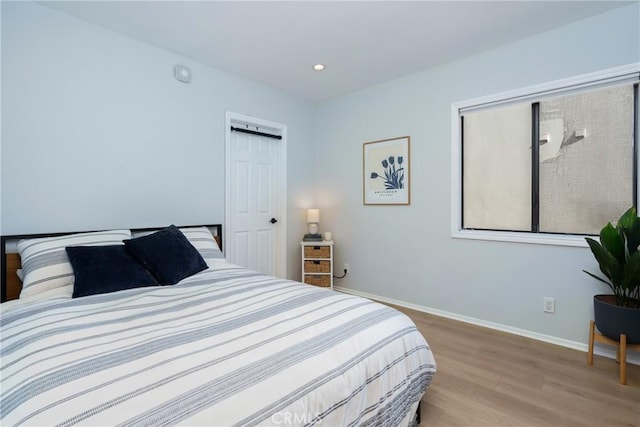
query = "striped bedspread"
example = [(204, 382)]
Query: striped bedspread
[(227, 346)]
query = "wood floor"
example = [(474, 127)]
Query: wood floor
[(491, 378)]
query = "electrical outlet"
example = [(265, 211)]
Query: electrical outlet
[(346, 266), (549, 305)]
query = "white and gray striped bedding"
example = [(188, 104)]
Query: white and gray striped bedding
[(227, 346)]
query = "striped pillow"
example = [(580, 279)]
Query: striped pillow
[(201, 238), (45, 264)]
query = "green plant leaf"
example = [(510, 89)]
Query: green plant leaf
[(599, 278), (631, 272), (613, 242), (633, 237), (607, 262), (628, 218)]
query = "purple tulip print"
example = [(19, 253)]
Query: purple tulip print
[(393, 173)]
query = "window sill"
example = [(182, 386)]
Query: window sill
[(515, 237)]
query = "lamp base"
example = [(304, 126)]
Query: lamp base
[(312, 238), (313, 228)]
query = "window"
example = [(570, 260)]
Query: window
[(547, 164), (496, 176)]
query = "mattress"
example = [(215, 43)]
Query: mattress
[(227, 346)]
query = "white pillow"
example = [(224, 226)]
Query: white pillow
[(45, 264)]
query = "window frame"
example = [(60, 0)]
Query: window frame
[(617, 75)]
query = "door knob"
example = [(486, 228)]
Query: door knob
[(273, 220)]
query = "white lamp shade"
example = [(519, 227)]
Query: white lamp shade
[(313, 216)]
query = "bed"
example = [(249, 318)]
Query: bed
[(224, 346)]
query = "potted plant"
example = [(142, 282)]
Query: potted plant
[(619, 260)]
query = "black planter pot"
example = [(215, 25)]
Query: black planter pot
[(613, 320)]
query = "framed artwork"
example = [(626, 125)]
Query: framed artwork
[(386, 172)]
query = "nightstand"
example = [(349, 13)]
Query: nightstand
[(317, 263)]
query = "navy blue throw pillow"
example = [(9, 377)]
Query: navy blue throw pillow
[(103, 269), (167, 254)]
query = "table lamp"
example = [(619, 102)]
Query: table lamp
[(313, 218)]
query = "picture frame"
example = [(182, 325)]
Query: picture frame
[(386, 168)]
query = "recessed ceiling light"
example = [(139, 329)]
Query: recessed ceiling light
[(318, 67)]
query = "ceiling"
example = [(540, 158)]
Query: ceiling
[(361, 43)]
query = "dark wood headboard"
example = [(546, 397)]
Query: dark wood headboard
[(11, 285)]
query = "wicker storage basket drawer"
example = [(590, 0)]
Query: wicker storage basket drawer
[(317, 266), (317, 252), (324, 281)]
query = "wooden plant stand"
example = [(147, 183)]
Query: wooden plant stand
[(621, 353)]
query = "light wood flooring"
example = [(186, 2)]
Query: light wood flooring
[(491, 378)]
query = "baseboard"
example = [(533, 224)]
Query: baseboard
[(605, 351)]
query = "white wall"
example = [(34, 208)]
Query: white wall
[(97, 133), (406, 253)]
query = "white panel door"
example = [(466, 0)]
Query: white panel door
[(252, 237)]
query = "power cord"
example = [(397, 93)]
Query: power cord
[(341, 277)]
